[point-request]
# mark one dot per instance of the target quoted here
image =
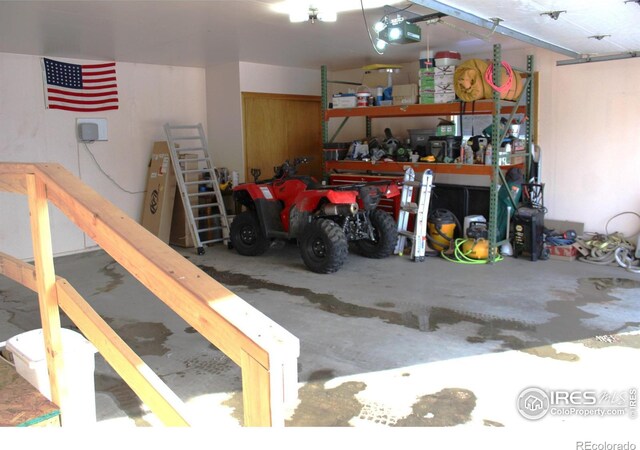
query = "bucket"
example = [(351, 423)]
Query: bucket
[(29, 355), (362, 99), (441, 227)]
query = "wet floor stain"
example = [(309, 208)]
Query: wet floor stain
[(385, 305), (619, 340), (491, 328), (610, 283), (569, 321), (548, 351), (327, 407), (24, 312), (427, 320), (446, 408), (123, 396), (116, 278), (211, 364), (326, 302), (492, 423), (318, 406), (145, 338)]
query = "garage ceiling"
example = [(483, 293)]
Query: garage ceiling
[(205, 33)]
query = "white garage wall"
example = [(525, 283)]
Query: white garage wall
[(224, 121), (226, 82), (279, 80), (149, 96), (591, 158)]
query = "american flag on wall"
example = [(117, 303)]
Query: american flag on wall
[(84, 88)]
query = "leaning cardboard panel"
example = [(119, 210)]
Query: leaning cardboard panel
[(160, 193)]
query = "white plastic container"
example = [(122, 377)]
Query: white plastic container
[(30, 361), (469, 219)]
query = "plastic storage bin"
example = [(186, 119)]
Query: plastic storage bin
[(30, 361)]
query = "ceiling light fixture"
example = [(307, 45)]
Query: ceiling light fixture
[(312, 14), (399, 27), (599, 36), (553, 14)]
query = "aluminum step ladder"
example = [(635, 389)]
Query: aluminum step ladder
[(420, 208), (197, 181)]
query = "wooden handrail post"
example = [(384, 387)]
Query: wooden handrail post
[(262, 393), (47, 292)]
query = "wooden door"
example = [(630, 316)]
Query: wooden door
[(279, 127)]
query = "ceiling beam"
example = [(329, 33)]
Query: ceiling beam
[(491, 25), (589, 59)]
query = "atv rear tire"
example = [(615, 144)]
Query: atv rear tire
[(323, 246), (246, 236), (385, 231)]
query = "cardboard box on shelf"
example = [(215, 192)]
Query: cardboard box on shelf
[(405, 94), (445, 97), (427, 99), (426, 83), (160, 192), (444, 88), (344, 101), (427, 72), (446, 71), (446, 128)]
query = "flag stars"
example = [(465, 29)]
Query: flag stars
[(63, 74)]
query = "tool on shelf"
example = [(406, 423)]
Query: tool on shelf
[(204, 218), (420, 208)]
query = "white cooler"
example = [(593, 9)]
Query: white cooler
[(79, 361)]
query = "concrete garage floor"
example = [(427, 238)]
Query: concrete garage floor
[(384, 343)]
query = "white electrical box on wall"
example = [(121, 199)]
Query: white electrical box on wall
[(102, 129)]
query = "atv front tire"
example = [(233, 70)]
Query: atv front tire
[(246, 236), (323, 246), (385, 232)]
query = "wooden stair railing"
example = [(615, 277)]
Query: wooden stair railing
[(266, 352)]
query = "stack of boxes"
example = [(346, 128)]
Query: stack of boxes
[(435, 78), (444, 91), (426, 81)]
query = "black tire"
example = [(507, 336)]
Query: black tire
[(385, 231), (246, 236), (323, 246)]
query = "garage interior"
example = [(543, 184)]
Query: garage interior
[(399, 341)]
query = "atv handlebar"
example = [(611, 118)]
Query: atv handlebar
[(287, 169)]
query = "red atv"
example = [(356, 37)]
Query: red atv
[(322, 219)]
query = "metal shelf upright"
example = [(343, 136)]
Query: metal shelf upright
[(498, 178)]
